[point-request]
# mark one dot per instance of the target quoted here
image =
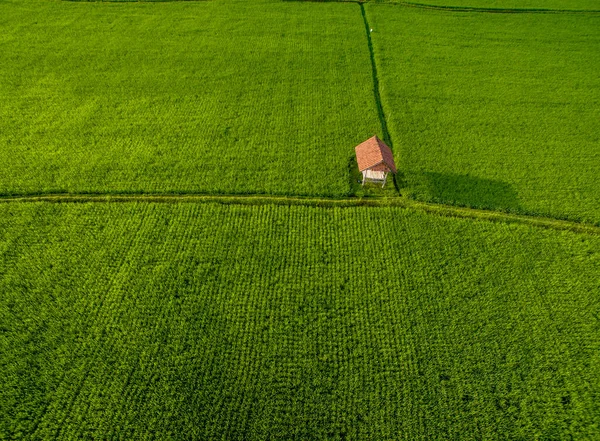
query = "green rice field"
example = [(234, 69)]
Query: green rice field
[(187, 251), (182, 97), (271, 322), (494, 110)]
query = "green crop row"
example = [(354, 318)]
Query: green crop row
[(167, 321)]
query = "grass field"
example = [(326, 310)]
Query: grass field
[(206, 97), (493, 110), (267, 322)]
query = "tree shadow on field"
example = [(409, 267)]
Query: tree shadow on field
[(462, 190)]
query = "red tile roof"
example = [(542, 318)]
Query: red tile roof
[(374, 152)]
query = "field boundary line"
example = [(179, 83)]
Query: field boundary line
[(381, 113), (491, 10), (447, 7), (387, 137), (400, 202), (137, 1)]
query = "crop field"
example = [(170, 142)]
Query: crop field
[(494, 111), (564, 5), (186, 250), (182, 97), (270, 322)]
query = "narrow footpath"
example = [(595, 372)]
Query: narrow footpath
[(400, 202)]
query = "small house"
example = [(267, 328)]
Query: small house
[(375, 160)]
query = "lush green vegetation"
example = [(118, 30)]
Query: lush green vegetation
[(182, 97), (260, 319), (568, 5), (264, 322), (493, 110)]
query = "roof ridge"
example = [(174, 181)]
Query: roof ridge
[(374, 151)]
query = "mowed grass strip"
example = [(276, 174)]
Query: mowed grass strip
[(154, 321), (182, 97), (493, 111)]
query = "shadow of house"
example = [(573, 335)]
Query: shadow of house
[(462, 190)]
